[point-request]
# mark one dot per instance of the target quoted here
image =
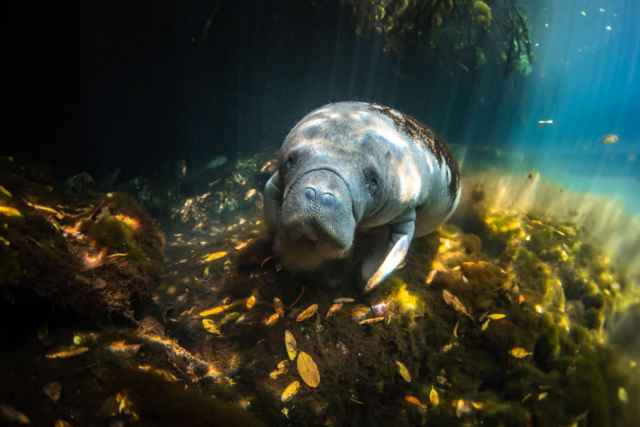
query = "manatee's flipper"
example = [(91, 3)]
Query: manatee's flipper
[(402, 231), (272, 200)]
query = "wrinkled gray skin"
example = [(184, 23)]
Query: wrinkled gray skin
[(353, 167)]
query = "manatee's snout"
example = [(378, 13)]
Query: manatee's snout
[(317, 211)]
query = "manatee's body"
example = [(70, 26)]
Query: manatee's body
[(352, 166)]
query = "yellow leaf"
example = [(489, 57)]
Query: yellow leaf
[(281, 368), (403, 371), (251, 302), (46, 209), (9, 211), (271, 320), (211, 327), (213, 256), (307, 312), (497, 316), (5, 192), (128, 221), (371, 320), (290, 391), (162, 373), (61, 423), (278, 306), (333, 309), (290, 344), (433, 397), (485, 325), (125, 405), (477, 405), (66, 353), (215, 310), (519, 352), (308, 370)]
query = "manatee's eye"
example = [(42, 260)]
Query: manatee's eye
[(372, 181), (289, 161)]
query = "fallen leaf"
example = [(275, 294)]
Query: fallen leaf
[(343, 300), (477, 405), (485, 325), (462, 407), (211, 327), (290, 344), (431, 276), (251, 302), (229, 317), (278, 306), (53, 390), (213, 256), (497, 316), (455, 303), (333, 309), (125, 405), (250, 193), (413, 400), (281, 369), (403, 371), (308, 370), (271, 320), (434, 398), (519, 352), (66, 353), (359, 311), (445, 348), (62, 423), (371, 320), (46, 209), (290, 391), (9, 211), (9, 413), (215, 310), (543, 395), (162, 373), (5, 192), (307, 313)]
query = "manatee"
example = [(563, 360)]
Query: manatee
[(350, 168)]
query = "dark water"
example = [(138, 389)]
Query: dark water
[(182, 105)]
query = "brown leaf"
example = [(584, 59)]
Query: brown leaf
[(455, 303)]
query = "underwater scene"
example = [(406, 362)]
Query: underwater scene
[(322, 213)]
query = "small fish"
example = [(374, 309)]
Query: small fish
[(610, 138), (545, 122), (216, 162)]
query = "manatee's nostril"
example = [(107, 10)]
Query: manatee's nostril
[(328, 200), (310, 193)]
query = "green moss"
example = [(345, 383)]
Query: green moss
[(547, 346), (587, 391)]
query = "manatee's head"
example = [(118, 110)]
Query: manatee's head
[(328, 184)]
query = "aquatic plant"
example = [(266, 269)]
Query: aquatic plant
[(463, 34)]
